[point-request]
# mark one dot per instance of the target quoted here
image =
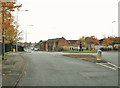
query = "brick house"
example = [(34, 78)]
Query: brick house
[(72, 44), (56, 44), (101, 41), (43, 46)]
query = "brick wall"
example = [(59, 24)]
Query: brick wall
[(42, 46), (46, 47), (54, 45), (63, 42)]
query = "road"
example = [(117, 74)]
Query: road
[(111, 56), (53, 69)]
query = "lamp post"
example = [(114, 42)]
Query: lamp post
[(113, 27), (26, 38), (18, 26)]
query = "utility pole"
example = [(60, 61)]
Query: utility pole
[(26, 47), (17, 30), (17, 27)]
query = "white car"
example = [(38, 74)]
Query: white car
[(36, 49)]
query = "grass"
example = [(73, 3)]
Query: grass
[(84, 51), (0, 57), (6, 54)]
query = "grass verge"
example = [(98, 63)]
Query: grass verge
[(76, 51)]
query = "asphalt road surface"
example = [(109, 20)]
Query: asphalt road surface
[(111, 56), (53, 69)]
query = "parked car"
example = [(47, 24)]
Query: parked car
[(35, 49), (32, 48)]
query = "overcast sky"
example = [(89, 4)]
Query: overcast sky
[(68, 18)]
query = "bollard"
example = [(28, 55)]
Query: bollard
[(13, 50), (99, 55)]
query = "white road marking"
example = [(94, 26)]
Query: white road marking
[(113, 65), (106, 66)]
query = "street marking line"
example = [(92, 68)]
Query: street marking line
[(113, 65), (106, 66)]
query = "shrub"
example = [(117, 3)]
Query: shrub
[(105, 49), (59, 49)]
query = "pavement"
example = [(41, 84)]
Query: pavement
[(12, 69)]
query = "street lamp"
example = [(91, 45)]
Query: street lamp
[(17, 26), (26, 37), (112, 27)]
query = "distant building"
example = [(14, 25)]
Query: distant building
[(73, 43), (55, 44), (43, 46), (115, 45), (101, 41)]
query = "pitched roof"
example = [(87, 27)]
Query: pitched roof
[(55, 39), (72, 41)]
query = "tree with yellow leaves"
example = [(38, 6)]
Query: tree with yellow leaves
[(111, 40), (82, 39), (8, 26), (89, 42)]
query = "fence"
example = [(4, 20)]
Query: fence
[(9, 47)]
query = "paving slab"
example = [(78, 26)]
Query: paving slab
[(12, 68)]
